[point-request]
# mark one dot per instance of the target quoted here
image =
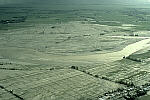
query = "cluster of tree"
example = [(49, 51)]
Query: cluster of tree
[(74, 67), (105, 78), (128, 84), (134, 59), (14, 20), (11, 69), (2, 63), (137, 93)]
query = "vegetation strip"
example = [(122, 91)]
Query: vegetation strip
[(97, 76), (11, 92), (30, 69)]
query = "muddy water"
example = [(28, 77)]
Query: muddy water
[(128, 50), (108, 57)]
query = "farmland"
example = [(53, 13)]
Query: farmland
[(74, 51)]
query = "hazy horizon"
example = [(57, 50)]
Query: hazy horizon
[(3, 2)]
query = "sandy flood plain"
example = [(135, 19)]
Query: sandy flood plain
[(69, 43)]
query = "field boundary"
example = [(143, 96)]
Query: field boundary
[(11, 92)]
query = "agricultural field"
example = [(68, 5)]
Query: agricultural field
[(75, 51), (45, 84)]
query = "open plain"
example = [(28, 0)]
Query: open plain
[(75, 51)]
